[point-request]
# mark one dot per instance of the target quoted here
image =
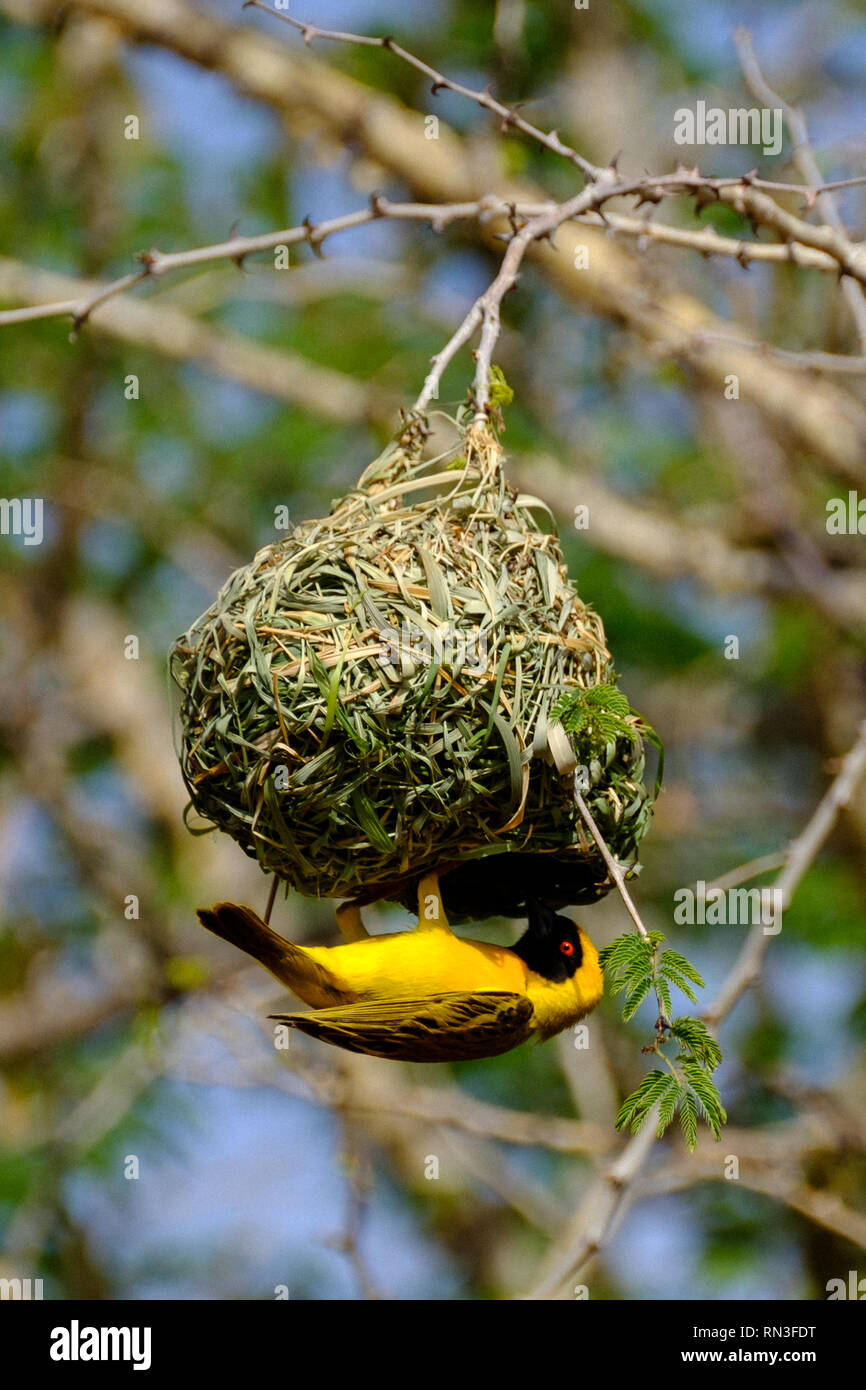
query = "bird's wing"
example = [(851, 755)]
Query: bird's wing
[(453, 1027)]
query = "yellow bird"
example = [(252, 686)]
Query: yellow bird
[(426, 995)]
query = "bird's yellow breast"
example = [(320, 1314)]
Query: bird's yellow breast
[(418, 963)]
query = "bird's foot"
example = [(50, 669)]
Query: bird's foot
[(431, 912), (350, 922)]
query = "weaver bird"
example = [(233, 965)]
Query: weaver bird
[(426, 995)]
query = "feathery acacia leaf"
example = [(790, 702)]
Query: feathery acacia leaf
[(634, 968)]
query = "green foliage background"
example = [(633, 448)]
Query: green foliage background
[(133, 1036)]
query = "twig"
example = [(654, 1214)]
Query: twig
[(798, 860), (826, 421), (509, 115), (163, 328), (606, 1198), (753, 869), (602, 1207), (709, 242), (805, 361), (613, 868), (157, 263), (485, 310), (804, 159)]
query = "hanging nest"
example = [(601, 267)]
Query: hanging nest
[(408, 684)]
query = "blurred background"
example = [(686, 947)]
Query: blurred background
[(152, 1144)]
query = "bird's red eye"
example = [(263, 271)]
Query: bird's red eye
[(567, 948)]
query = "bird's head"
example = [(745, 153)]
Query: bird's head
[(552, 945)]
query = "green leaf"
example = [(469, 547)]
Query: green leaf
[(675, 961), (664, 995), (676, 979), (638, 1105), (689, 1119), (693, 1034), (707, 1095), (620, 952), (500, 392), (668, 1103), (636, 998)]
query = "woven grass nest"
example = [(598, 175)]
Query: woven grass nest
[(408, 683)]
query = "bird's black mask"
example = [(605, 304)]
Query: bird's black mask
[(550, 945)]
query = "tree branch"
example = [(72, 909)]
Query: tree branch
[(605, 1200)]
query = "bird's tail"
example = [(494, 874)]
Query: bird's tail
[(291, 964)]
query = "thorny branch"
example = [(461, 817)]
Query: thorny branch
[(157, 263), (508, 115), (805, 160), (824, 248)]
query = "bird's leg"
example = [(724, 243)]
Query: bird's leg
[(349, 921), (431, 912)]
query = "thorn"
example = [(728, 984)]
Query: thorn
[(703, 197), (311, 237), (743, 258), (388, 41), (377, 205), (614, 163), (437, 87), (233, 231), (750, 177), (148, 258)]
